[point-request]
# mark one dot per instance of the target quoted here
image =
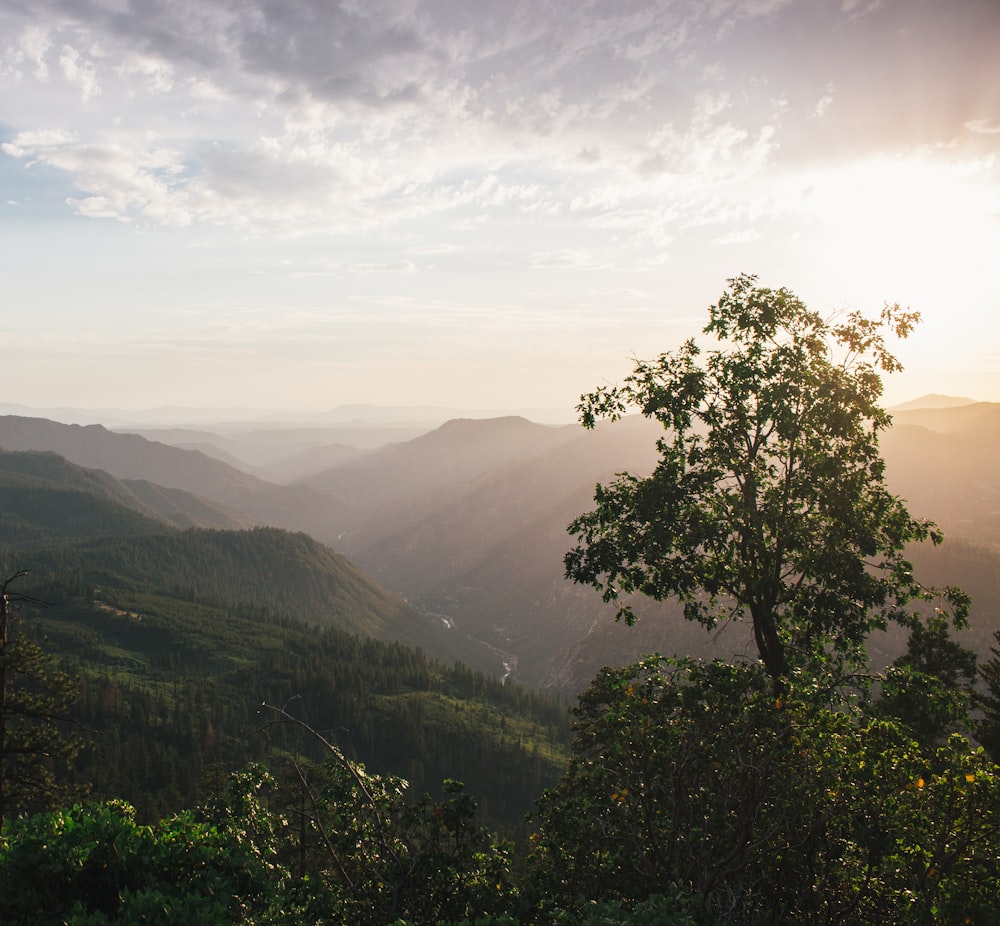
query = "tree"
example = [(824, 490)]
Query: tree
[(34, 695), (769, 498), (930, 687), (684, 776), (383, 858), (94, 865), (988, 728)]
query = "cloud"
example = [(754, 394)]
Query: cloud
[(984, 126), (365, 268), (825, 102), (716, 149), (858, 8), (566, 259), (25, 144), (31, 47), (119, 182), (79, 71), (317, 117), (155, 74), (739, 236)]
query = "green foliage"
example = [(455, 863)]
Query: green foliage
[(383, 856), (657, 910), (769, 499), (95, 866), (422, 862), (377, 859), (172, 664), (929, 688), (34, 697), (988, 728), (765, 811)]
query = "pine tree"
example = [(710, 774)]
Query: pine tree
[(34, 697), (988, 729), (930, 687)]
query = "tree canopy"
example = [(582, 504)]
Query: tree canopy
[(34, 696), (769, 498)]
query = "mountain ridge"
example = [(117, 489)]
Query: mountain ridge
[(468, 522)]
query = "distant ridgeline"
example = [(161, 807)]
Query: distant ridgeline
[(469, 522), (178, 636)]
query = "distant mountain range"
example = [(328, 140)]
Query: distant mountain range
[(467, 521), (53, 511), (230, 420), (932, 400)]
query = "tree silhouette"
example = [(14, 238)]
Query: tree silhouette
[(769, 499)]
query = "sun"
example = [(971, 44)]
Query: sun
[(921, 229), (930, 224)]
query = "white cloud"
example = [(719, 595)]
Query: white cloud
[(155, 74), (29, 144), (419, 113), (33, 45), (739, 236), (79, 72), (824, 102), (984, 126), (566, 259)]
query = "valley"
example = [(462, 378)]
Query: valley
[(467, 521), (186, 589)]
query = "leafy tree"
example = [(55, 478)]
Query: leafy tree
[(769, 498), (34, 696)]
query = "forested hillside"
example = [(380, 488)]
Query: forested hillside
[(131, 457), (468, 522), (171, 691), (45, 496), (178, 636)]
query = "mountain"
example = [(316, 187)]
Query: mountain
[(946, 463), (43, 496), (468, 523), (480, 537), (177, 636), (401, 481), (129, 456), (269, 453), (974, 418), (64, 519), (932, 400)]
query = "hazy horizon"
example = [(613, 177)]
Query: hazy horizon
[(490, 205), (371, 417)]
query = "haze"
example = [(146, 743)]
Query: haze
[(494, 204)]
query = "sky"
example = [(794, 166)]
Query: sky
[(299, 204)]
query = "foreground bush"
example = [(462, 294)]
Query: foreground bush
[(765, 810), (93, 865), (363, 854), (695, 797)]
